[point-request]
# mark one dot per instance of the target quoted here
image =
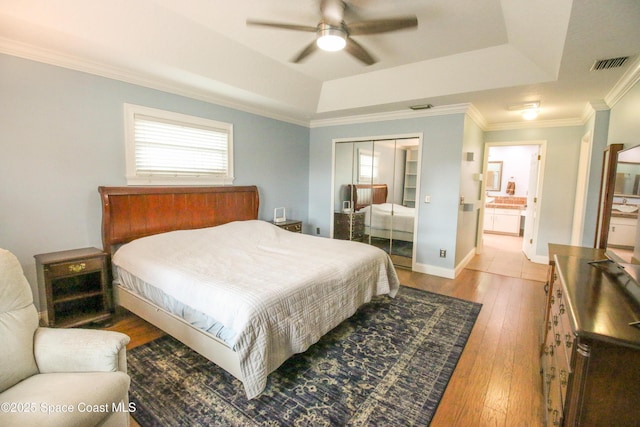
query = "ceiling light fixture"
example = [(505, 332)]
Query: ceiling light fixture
[(529, 110), (530, 114), (331, 38)]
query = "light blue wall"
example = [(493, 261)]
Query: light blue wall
[(559, 185), (62, 136), (598, 125), (440, 178)]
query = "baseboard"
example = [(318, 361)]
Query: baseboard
[(540, 259), (466, 260), (434, 271)]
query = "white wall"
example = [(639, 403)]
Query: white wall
[(516, 162)]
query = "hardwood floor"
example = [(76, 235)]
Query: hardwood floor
[(497, 380)]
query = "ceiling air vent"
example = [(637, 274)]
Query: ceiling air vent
[(605, 64)]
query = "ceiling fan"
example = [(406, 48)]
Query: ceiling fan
[(333, 33)]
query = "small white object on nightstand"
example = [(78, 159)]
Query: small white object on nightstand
[(279, 215)]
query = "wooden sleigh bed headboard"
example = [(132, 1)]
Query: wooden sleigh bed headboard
[(129, 213), (367, 194)]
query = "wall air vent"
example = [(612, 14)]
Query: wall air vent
[(421, 107), (606, 64)]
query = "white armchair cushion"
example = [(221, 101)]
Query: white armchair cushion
[(16, 350), (79, 350), (92, 397), (18, 321)]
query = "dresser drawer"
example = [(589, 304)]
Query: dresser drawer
[(296, 228), (75, 267), (563, 334)]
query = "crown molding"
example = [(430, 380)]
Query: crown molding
[(477, 117), (533, 124), (592, 107), (391, 115), (47, 56), (626, 82)]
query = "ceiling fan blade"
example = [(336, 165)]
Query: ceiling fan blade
[(311, 47), (283, 26), (381, 25), (355, 49)]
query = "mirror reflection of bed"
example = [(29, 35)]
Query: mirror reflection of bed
[(375, 191), (388, 226)]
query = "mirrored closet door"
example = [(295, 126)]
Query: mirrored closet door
[(375, 194)]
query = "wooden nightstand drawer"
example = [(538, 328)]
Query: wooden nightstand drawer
[(290, 225), (75, 267)]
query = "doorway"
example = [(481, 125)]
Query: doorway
[(375, 184), (511, 203)]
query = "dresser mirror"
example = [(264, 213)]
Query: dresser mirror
[(620, 203)]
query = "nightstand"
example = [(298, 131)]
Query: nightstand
[(348, 226), (76, 286), (290, 225)]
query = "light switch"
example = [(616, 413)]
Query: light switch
[(427, 199)]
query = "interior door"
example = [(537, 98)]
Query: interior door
[(528, 246)]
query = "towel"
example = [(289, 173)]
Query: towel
[(511, 188)]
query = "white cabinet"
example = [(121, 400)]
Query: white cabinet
[(503, 221), (622, 231)]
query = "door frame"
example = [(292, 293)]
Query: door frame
[(542, 151), (582, 188)]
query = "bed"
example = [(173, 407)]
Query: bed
[(382, 219), (197, 263)]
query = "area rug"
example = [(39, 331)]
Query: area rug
[(387, 365)]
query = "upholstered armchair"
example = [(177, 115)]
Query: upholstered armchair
[(56, 377)]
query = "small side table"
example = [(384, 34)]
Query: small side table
[(290, 225), (348, 226), (76, 285)]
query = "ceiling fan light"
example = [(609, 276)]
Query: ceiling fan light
[(331, 39)]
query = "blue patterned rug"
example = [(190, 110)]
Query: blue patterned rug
[(388, 365)]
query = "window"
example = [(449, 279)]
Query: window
[(166, 148), (367, 166)]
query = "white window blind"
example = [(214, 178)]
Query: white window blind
[(170, 148)]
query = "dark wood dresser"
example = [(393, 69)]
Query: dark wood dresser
[(348, 226), (590, 355)]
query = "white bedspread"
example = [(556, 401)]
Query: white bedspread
[(280, 291), (379, 217)]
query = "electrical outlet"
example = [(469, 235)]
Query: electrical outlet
[(443, 253), (317, 230)]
